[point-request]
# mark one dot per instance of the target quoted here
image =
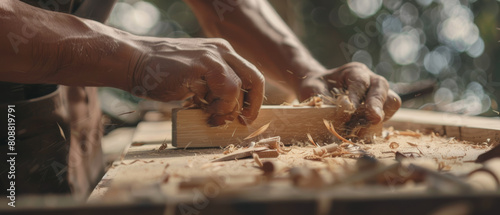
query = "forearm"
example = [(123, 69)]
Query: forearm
[(260, 35), (40, 46)]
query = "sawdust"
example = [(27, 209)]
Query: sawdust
[(335, 168)]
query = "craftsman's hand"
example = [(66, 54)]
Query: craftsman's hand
[(221, 82), (365, 89)]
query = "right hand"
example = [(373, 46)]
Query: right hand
[(367, 91), (220, 81)]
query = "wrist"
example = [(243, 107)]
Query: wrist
[(100, 58), (122, 57), (139, 59), (305, 79)]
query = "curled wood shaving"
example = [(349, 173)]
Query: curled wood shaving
[(229, 149), (412, 144), (163, 146), (258, 131), (330, 128), (61, 131), (314, 158), (311, 140), (409, 133), (394, 145), (314, 101), (283, 148), (257, 160), (319, 152), (271, 142), (332, 152), (325, 149), (443, 166), (203, 100)]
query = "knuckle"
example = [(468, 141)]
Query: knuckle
[(233, 87), (378, 98), (260, 80), (222, 44), (232, 82), (211, 46), (381, 81), (210, 57), (238, 83)]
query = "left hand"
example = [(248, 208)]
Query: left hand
[(365, 89)]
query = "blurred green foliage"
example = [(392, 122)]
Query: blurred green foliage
[(454, 42)]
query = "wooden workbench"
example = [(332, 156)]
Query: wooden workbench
[(146, 171)]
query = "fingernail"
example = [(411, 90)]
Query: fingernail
[(218, 120), (380, 113)]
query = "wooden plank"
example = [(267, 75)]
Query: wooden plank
[(470, 128), (290, 123)]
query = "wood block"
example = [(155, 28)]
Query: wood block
[(190, 129)]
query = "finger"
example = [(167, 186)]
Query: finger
[(252, 86), (391, 105), (217, 120), (376, 98), (357, 84), (200, 90), (223, 85), (241, 101)]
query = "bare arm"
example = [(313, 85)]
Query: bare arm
[(38, 46), (260, 35)]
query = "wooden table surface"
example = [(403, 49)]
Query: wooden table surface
[(144, 165)]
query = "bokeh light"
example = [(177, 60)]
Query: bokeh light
[(451, 42), (403, 48), (364, 8), (137, 18)]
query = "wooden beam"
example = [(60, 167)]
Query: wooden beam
[(190, 129), (470, 128)]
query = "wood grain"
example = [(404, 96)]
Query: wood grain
[(470, 128), (290, 123)]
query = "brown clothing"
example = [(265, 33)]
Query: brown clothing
[(58, 129), (57, 142)]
